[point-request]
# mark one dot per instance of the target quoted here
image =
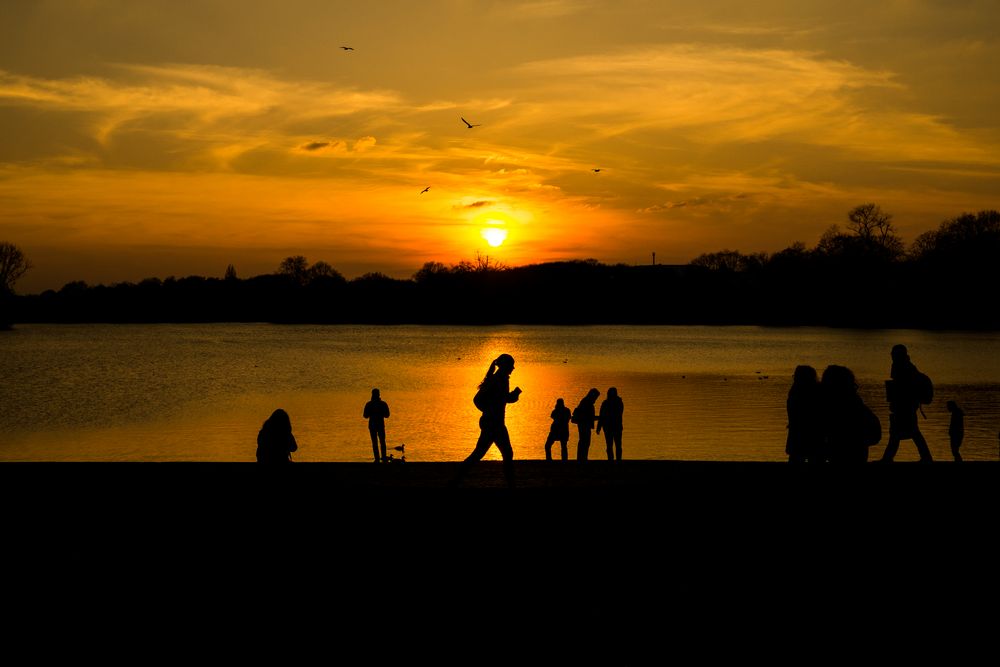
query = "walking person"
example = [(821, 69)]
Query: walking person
[(559, 430), (492, 398), (610, 420), (907, 389), (956, 429), (376, 412), (583, 417), (275, 442)]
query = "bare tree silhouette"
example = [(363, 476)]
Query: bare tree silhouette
[(13, 265)]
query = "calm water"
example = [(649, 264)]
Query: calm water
[(200, 392)]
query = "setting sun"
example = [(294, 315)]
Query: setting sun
[(495, 236), (153, 143)]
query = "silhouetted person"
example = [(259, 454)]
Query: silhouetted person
[(805, 435), (903, 394), (610, 419), (492, 398), (956, 429), (559, 430), (849, 426), (583, 417), (275, 442), (376, 412)]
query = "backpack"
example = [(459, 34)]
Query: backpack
[(923, 388), (479, 400)]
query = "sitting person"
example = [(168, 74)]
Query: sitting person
[(275, 442)]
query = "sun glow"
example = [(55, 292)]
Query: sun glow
[(495, 236)]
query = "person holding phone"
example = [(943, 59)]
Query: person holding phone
[(492, 398)]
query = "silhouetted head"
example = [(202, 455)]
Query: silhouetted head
[(279, 421), (505, 363), (951, 405), (899, 353), (805, 375), (612, 392), (560, 403), (375, 394), (593, 394), (839, 380)]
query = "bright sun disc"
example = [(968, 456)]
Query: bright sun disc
[(495, 236)]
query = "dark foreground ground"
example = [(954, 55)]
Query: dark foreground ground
[(625, 493), (640, 562)]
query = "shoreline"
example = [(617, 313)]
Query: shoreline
[(649, 476)]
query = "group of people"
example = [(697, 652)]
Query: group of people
[(827, 419), (275, 442), (829, 422), (587, 417)]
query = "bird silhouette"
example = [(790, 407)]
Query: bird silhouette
[(471, 125), (347, 48), (425, 189), (401, 448), (595, 170)]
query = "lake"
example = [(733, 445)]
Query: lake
[(199, 392)]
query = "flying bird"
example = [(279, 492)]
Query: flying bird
[(347, 48), (471, 125), (425, 189)]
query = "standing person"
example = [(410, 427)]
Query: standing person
[(905, 392), (376, 412), (610, 419), (275, 442), (583, 417), (956, 429), (559, 430), (849, 426), (803, 407), (492, 398)]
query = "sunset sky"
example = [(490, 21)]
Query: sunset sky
[(155, 137)]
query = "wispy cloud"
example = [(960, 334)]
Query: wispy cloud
[(722, 94), (540, 9), (210, 104)]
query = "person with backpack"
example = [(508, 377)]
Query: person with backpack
[(492, 398), (583, 416), (906, 391)]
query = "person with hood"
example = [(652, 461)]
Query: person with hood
[(903, 391), (559, 430)]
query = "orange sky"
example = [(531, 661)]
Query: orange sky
[(154, 138)]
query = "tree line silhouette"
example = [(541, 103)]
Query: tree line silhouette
[(861, 276)]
